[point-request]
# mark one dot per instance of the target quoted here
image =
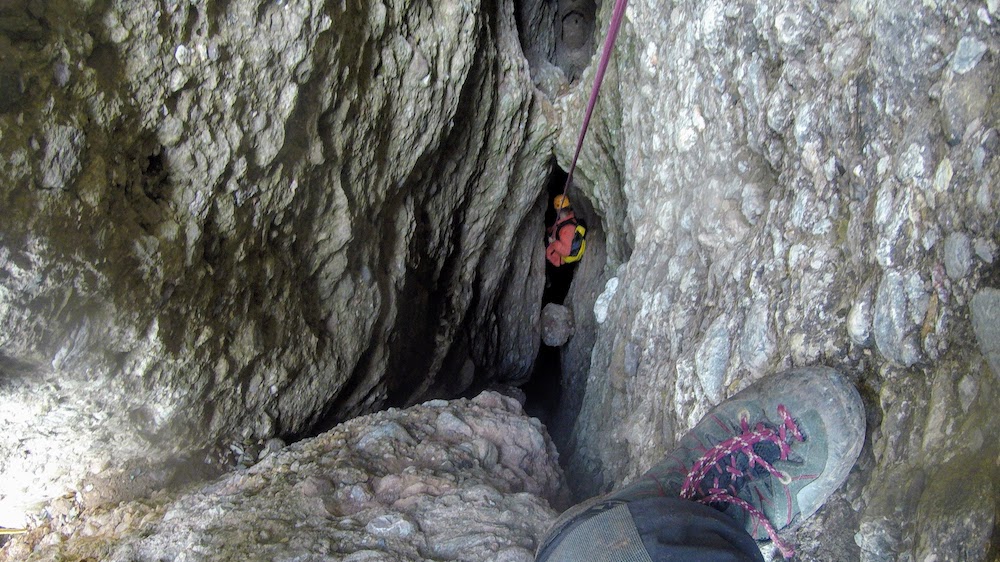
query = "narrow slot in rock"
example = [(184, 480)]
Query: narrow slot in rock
[(557, 38), (544, 389)]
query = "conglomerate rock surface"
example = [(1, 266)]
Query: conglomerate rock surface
[(806, 183), (232, 220), (228, 221), (463, 480)]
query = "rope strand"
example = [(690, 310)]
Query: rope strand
[(609, 41)]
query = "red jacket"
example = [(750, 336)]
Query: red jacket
[(561, 246)]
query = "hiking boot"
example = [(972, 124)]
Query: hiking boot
[(770, 456)]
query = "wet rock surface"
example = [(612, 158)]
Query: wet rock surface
[(464, 480), (985, 314)]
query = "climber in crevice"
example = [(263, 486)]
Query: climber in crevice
[(566, 238)]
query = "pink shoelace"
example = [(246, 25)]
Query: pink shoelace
[(743, 443)]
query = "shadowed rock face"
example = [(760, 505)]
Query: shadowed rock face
[(229, 221), (237, 220)]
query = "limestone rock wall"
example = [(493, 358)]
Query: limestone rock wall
[(806, 183), (235, 220), (465, 480), (229, 221)]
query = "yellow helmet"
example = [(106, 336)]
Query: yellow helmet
[(560, 202)]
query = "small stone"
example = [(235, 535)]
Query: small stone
[(893, 325), (790, 29), (177, 80), (985, 249), (60, 73), (265, 426), (967, 54), (758, 342), (859, 320), (686, 138), (272, 446), (385, 433), (448, 423), (390, 525), (182, 55), (547, 77), (957, 255), (968, 388), (986, 324), (942, 178), (912, 164), (61, 160), (486, 452), (963, 102), (978, 159), (846, 56), (557, 324), (712, 359), (314, 487), (604, 300)]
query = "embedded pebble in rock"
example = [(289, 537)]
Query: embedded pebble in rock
[(985, 250), (894, 325), (859, 320), (604, 300), (964, 101), (758, 343), (557, 324), (61, 159), (986, 322), (967, 54), (712, 358), (302, 502), (957, 255)]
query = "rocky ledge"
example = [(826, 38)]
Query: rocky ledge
[(459, 480)]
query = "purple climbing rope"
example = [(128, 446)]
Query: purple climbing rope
[(609, 41)]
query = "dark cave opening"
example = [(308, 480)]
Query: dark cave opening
[(559, 33)]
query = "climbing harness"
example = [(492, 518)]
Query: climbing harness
[(717, 476), (579, 244), (609, 41)]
